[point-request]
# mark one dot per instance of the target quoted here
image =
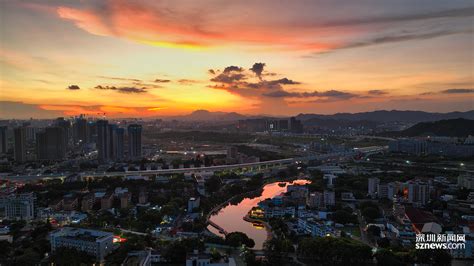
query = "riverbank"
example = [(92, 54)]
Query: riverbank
[(266, 225), (249, 193), (234, 217)]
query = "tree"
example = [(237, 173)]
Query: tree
[(277, 249), (344, 217), (279, 227), (386, 257), (333, 251), (250, 258), (371, 213), (5, 248), (436, 257), (383, 242), (177, 250), (374, 230), (29, 257), (69, 256), (213, 184), (237, 239)]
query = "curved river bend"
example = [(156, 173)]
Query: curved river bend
[(231, 217)]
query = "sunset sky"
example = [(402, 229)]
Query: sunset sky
[(159, 58)]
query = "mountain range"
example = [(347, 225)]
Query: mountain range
[(449, 128), (380, 116)]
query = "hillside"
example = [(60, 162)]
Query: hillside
[(392, 116), (450, 128), (380, 116)]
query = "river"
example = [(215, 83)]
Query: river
[(230, 217)]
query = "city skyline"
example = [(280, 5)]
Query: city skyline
[(168, 58)]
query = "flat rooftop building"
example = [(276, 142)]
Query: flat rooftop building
[(95, 243)]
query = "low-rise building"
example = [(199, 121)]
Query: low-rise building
[(297, 191), (466, 181), (87, 202), (193, 203), (329, 198), (19, 206), (203, 259), (347, 196), (315, 200), (142, 197), (125, 200), (70, 203), (106, 202), (93, 242), (315, 228)]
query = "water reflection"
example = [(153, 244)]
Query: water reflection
[(231, 217)]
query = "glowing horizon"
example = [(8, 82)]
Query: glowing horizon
[(166, 58)]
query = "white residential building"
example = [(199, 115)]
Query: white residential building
[(19, 206), (373, 186), (96, 243)]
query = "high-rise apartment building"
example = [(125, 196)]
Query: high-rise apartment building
[(20, 144), (51, 144), (329, 198), (66, 127), (3, 140), (134, 141), (373, 184), (118, 136), (103, 142), (80, 130)]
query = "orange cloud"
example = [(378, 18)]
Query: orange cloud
[(156, 26), (18, 60), (112, 111), (86, 20)]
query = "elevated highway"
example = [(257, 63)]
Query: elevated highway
[(256, 166)]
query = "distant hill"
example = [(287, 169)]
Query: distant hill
[(392, 116), (450, 128), (344, 118), (335, 123), (204, 115)]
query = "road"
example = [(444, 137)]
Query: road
[(363, 234)]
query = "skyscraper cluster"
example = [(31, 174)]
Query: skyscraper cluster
[(56, 140), (51, 144), (110, 141)]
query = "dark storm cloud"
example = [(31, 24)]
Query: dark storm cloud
[(457, 91), (395, 38), (212, 71), (225, 77), (126, 90), (284, 81), (233, 69), (240, 84), (377, 92), (162, 80), (338, 94), (187, 81), (284, 94), (257, 68), (331, 94), (449, 91), (21, 110), (452, 13), (120, 78), (73, 87), (427, 93), (403, 37)]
